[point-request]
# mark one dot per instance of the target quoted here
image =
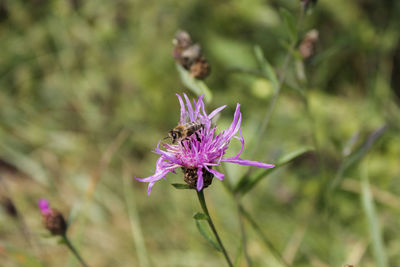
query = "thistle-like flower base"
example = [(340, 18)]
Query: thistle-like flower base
[(191, 177), (55, 223)]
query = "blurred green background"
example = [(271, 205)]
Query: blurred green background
[(87, 89)]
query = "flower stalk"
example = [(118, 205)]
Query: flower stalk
[(200, 195), (54, 221), (68, 243)]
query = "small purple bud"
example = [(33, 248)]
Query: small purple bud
[(53, 220)]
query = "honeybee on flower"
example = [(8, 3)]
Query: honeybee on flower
[(199, 153)]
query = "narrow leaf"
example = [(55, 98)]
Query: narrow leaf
[(268, 243), (200, 216), (196, 86), (357, 155), (266, 68), (246, 183), (285, 159), (181, 186), (207, 236), (373, 223), (290, 24)]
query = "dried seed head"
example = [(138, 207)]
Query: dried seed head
[(200, 69), (182, 39), (190, 177), (309, 43), (54, 222), (189, 56)]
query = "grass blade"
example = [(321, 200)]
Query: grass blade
[(246, 183), (290, 23), (266, 67), (134, 220), (196, 86), (372, 219), (357, 155)]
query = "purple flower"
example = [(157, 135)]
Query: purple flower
[(44, 206), (203, 150)]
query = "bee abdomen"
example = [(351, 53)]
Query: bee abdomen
[(193, 127)]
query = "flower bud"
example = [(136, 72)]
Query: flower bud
[(53, 220)]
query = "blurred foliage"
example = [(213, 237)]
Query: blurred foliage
[(87, 89)]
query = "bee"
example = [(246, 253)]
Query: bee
[(183, 131)]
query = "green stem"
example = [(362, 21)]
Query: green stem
[(243, 232), (211, 224), (261, 234), (73, 250)]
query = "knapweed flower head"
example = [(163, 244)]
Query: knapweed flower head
[(52, 219), (199, 153)]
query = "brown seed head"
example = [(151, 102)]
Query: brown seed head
[(200, 69), (182, 39), (309, 43), (189, 56)]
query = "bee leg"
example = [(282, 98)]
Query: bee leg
[(184, 139), (197, 136)]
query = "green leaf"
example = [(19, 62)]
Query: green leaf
[(266, 68), (207, 236), (196, 86), (181, 186), (373, 223), (285, 159), (290, 24), (62, 241), (200, 216), (246, 183), (357, 155)]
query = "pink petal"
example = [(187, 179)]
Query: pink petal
[(189, 107), (199, 179), (248, 162), (183, 110), (215, 112)]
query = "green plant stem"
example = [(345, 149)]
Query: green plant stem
[(211, 224), (73, 250), (243, 231), (266, 241)]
